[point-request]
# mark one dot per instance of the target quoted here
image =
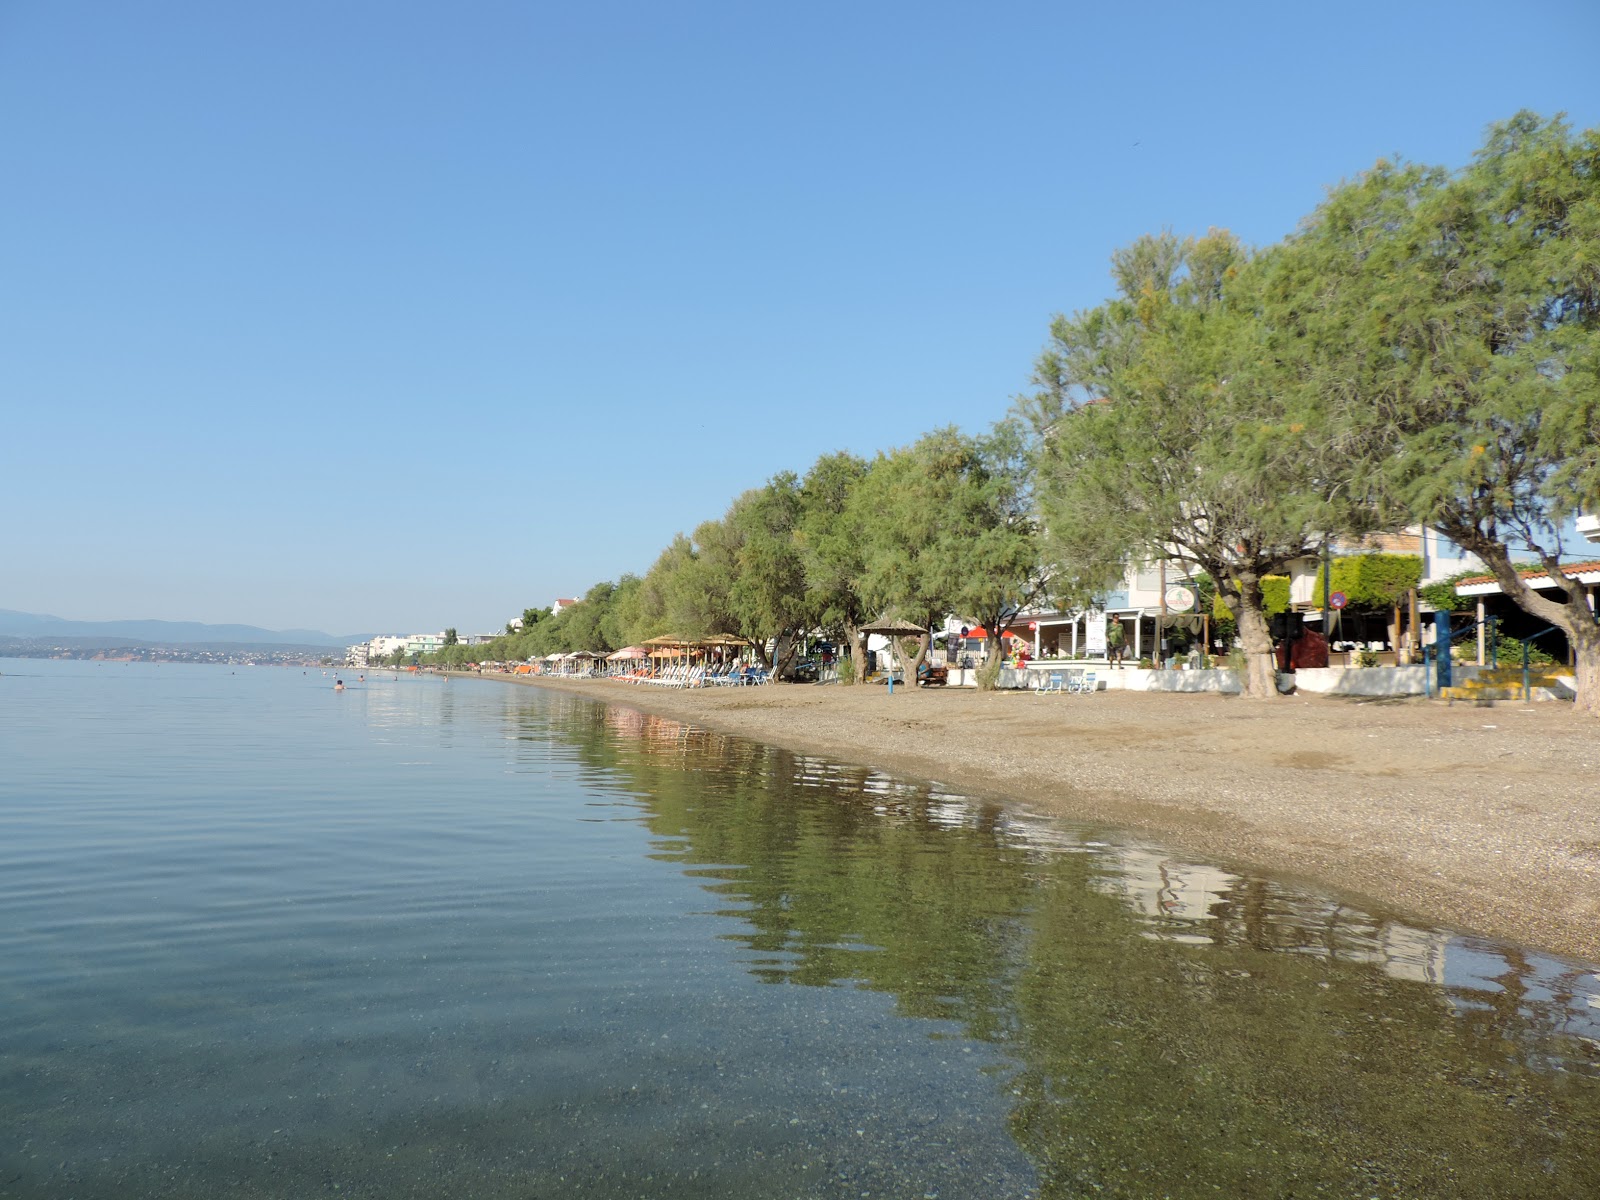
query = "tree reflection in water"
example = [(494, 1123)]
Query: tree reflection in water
[(1175, 1028)]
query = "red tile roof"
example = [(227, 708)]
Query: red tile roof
[(1571, 570)]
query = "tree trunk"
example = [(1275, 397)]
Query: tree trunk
[(1569, 612), (913, 661), (1261, 666), (1586, 656), (781, 656), (858, 652)]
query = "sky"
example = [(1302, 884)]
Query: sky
[(386, 317)]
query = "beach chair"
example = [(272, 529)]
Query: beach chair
[(1086, 684), (1050, 683)]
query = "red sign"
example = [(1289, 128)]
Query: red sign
[(1338, 600), (1033, 624)]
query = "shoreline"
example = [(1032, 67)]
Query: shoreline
[(1484, 820)]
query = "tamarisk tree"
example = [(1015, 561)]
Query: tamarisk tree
[(1168, 431), (1454, 321)]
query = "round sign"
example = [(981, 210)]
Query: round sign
[(1338, 600), (1180, 598), (1033, 624)]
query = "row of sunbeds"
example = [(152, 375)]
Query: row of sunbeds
[(1074, 683), (681, 676)]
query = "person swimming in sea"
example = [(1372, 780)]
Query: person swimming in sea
[(338, 685)]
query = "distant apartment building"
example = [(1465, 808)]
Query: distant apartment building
[(424, 643), (1589, 526), (375, 651)]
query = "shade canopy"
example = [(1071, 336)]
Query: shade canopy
[(982, 633), (628, 652), (894, 627)]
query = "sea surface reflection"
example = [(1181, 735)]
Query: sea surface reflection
[(460, 938)]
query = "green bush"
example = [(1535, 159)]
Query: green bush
[(1372, 582), (1274, 593), (1442, 595)]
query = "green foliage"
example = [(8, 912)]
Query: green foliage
[(1442, 594), (1372, 582), (1198, 445), (1452, 322), (1274, 598)]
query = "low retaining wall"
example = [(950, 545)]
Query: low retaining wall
[(1138, 679), (1366, 681)]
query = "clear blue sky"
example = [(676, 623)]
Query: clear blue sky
[(392, 316)]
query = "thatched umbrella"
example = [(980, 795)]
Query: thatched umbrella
[(894, 627)]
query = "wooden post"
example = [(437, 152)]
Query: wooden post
[(1416, 626)]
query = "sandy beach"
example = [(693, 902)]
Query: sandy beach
[(1485, 819)]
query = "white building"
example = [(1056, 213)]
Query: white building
[(424, 643), (382, 647)]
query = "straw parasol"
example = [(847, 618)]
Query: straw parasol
[(887, 626)]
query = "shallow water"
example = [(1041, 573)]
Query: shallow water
[(431, 938)]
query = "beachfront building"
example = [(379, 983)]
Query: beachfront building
[(424, 643), (1153, 601), (380, 648), (1491, 601), (561, 605), (1158, 604)]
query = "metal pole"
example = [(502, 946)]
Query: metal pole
[(1161, 622), (1527, 691)]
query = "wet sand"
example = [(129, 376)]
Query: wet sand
[(1484, 819)]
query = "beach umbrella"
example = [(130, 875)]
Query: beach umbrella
[(893, 627)]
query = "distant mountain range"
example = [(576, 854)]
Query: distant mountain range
[(164, 633)]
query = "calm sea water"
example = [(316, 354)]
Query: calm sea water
[(429, 938)]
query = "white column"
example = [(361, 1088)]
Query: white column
[(1138, 637), (1483, 633)]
